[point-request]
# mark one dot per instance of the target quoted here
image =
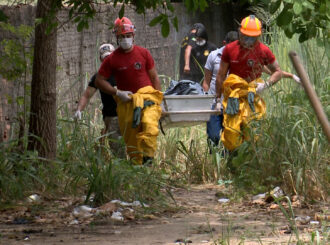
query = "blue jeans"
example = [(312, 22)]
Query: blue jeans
[(213, 128)]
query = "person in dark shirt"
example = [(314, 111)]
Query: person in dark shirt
[(186, 44), (109, 106), (199, 51)]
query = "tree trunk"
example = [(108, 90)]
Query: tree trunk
[(42, 124)]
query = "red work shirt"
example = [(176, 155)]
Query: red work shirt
[(130, 69), (247, 63)]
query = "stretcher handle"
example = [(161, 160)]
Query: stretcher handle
[(313, 98)]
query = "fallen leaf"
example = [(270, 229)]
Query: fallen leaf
[(274, 206), (149, 216)]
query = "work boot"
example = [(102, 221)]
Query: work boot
[(147, 161)]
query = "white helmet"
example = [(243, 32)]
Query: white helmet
[(105, 50)]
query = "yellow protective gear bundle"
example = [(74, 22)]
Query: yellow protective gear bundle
[(237, 88), (142, 139)]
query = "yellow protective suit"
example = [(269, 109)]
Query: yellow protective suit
[(142, 140), (236, 87)]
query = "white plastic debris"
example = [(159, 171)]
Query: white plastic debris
[(74, 222), (259, 196), (90, 199), (223, 200), (302, 219), (117, 216), (33, 198), (138, 204), (130, 204), (314, 222), (83, 211), (277, 192)]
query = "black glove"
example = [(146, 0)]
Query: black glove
[(137, 113), (251, 101), (232, 106), (148, 103), (136, 117)]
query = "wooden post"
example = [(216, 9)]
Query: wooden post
[(313, 98)]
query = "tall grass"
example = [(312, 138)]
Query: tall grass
[(184, 152)]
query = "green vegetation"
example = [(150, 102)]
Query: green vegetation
[(287, 148)]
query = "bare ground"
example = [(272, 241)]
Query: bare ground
[(201, 219)]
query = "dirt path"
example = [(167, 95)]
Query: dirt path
[(202, 220)]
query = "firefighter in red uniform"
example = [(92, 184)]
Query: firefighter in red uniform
[(138, 94), (244, 60)]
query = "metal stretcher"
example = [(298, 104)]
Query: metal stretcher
[(186, 110)]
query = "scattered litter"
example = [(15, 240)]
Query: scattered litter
[(117, 216), (138, 204), (90, 199), (74, 222), (107, 208), (116, 201), (303, 220), (83, 211), (33, 198), (204, 241), (223, 200), (259, 199), (314, 222), (259, 196), (26, 238), (132, 204), (117, 232), (128, 213), (277, 192)]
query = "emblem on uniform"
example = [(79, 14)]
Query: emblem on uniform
[(250, 62), (206, 53), (137, 66)]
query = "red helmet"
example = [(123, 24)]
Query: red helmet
[(251, 26), (123, 26)]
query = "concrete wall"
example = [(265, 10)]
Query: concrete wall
[(77, 56)]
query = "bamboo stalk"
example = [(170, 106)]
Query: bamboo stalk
[(313, 98)]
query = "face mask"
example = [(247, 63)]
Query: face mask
[(126, 43), (201, 43)]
